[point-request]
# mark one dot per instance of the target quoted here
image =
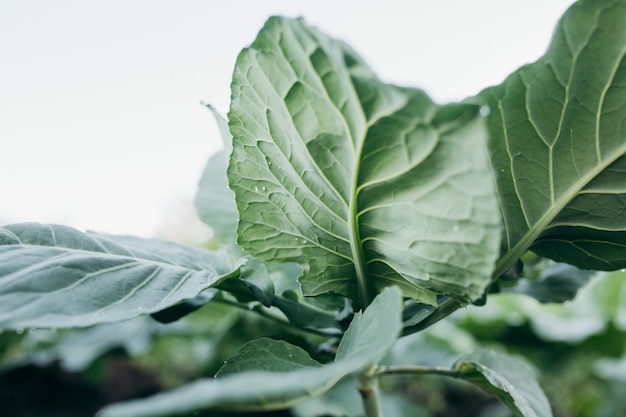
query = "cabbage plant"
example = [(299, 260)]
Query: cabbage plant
[(360, 212)]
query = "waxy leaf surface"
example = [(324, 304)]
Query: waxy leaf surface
[(56, 276), (268, 374), (365, 183), (558, 144)]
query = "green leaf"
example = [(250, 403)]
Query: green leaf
[(372, 333), (509, 380), (367, 184), (558, 144), (256, 283), (76, 349), (214, 201), (267, 354), (306, 314), (184, 308), (327, 312), (268, 374), (556, 284), (56, 276), (252, 284)]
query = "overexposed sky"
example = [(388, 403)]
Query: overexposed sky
[(101, 125)]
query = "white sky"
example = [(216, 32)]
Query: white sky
[(100, 122)]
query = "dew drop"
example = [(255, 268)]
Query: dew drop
[(484, 111), (263, 188), (455, 228), (256, 189), (623, 270), (139, 308)]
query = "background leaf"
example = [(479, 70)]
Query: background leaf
[(366, 183), (558, 143), (509, 380), (276, 374), (214, 201), (557, 283), (56, 276)]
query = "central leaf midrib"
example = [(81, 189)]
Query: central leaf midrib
[(360, 265)]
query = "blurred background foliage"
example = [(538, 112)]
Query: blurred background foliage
[(577, 349)]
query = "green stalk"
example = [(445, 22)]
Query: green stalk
[(370, 393), (416, 370)]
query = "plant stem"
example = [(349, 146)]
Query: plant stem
[(370, 393), (416, 370)]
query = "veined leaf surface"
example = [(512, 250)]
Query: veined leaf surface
[(275, 374), (56, 276), (558, 143), (366, 184)]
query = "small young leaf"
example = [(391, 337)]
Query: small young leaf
[(372, 333), (252, 284), (267, 354), (509, 380), (56, 276), (268, 374)]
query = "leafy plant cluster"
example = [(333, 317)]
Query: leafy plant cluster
[(354, 213)]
